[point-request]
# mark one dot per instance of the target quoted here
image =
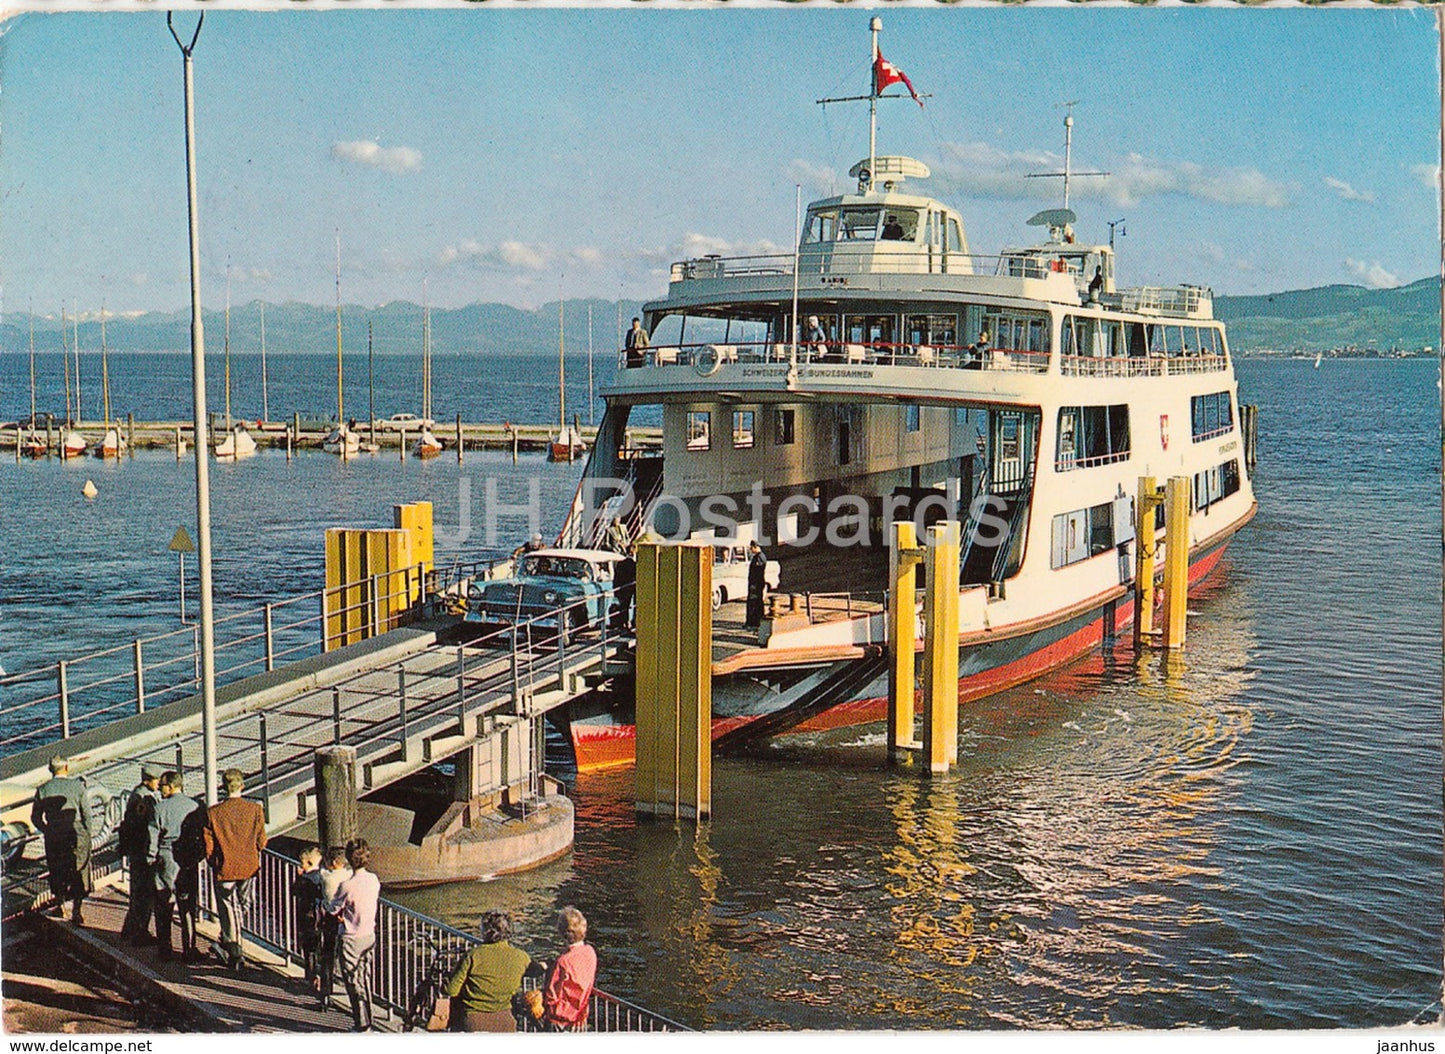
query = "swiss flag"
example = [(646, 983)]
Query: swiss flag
[(885, 73)]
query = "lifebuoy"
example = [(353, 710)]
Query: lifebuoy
[(707, 361)]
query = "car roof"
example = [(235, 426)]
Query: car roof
[(595, 556)]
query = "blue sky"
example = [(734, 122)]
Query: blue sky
[(519, 155)]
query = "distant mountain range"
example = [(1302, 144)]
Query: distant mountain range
[(1332, 316)]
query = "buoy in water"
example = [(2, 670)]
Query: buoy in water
[(89, 490)]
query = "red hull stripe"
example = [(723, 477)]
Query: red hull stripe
[(600, 746)]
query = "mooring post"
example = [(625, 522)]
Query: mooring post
[(181, 761), (1146, 503), (270, 640), (64, 684), (904, 556), (265, 768), (940, 650), (336, 716), (334, 769), (403, 443), (130, 433), (178, 442), (140, 680), (459, 437), (1176, 560)]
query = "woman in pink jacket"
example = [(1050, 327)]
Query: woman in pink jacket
[(568, 989)]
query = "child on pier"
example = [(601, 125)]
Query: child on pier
[(306, 892)]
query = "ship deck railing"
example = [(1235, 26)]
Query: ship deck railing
[(888, 258), (705, 357)]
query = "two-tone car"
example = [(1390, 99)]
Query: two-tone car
[(546, 581)]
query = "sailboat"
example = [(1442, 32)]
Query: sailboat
[(72, 444), (567, 444), (31, 444), (238, 443), (1318, 356), (427, 444), (111, 444), (342, 440)]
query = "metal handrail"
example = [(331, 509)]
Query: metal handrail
[(406, 940), (710, 356)]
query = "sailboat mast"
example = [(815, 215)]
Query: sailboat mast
[(591, 388), (104, 373), (370, 384), (32, 367), (425, 353), (75, 324), (561, 365), (340, 416), (265, 402), (228, 346), (65, 361)]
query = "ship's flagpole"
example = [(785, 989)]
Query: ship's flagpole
[(797, 236), (874, 25)]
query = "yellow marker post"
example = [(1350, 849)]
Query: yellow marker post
[(940, 648), (1176, 560), (1145, 544), (674, 681), (904, 557)]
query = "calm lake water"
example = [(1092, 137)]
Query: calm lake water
[(1247, 838)]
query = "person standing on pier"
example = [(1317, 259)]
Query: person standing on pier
[(235, 834), (334, 871), (62, 817), (568, 988), (355, 905), (757, 584), (134, 845), (174, 839), (483, 985)]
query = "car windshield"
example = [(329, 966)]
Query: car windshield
[(558, 567)]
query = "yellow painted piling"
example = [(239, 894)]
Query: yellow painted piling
[(940, 648), (674, 681), (1145, 545), (1176, 560), (904, 556)]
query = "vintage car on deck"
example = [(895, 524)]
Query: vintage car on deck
[(730, 574), (544, 582)]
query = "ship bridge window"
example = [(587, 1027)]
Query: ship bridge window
[(859, 225), (899, 225), (822, 226), (955, 237), (1091, 435)]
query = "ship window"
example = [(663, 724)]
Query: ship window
[(931, 329), (1081, 534), (955, 237), (869, 329), (1137, 339), (899, 225), (859, 224), (1038, 340), (742, 429), (1215, 484), (822, 227), (783, 436), (1091, 435), (1210, 415), (912, 418), (699, 430)]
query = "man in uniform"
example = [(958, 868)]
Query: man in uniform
[(235, 834), (135, 847), (757, 584), (61, 815), (174, 838)]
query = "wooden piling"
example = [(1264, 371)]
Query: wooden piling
[(903, 559), (1146, 502), (1176, 560), (336, 812), (459, 438)]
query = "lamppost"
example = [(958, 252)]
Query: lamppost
[(198, 390)]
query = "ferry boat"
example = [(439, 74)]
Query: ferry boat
[(883, 370)]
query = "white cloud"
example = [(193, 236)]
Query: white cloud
[(815, 179), (393, 159), (981, 167), (517, 256), (1429, 175), (692, 245), (1373, 275), (1347, 192)]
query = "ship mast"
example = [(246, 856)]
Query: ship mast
[(340, 416), (562, 371), (875, 25), (228, 346), (32, 367)]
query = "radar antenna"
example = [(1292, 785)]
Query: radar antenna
[(1068, 172)]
